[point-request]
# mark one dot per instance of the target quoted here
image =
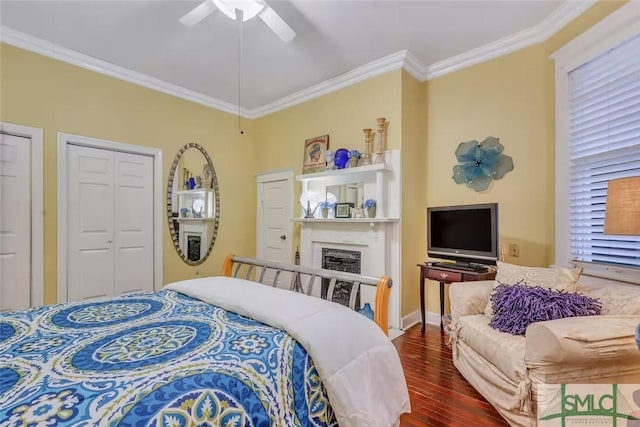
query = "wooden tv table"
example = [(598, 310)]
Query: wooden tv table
[(446, 275)]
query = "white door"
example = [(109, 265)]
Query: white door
[(274, 222), (15, 222), (110, 222), (133, 223), (90, 268)]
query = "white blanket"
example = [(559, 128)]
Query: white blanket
[(358, 364)]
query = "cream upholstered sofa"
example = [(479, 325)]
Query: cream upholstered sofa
[(508, 370)]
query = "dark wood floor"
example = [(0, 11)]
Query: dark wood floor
[(440, 396)]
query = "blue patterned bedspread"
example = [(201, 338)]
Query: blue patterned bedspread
[(153, 359)]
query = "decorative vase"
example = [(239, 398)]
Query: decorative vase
[(380, 143), (341, 158), (371, 212), (325, 212), (353, 162), (367, 311), (328, 156), (366, 157)]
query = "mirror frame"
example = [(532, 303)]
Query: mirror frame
[(216, 191)]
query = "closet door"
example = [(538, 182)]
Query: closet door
[(90, 261), (133, 223), (15, 222)]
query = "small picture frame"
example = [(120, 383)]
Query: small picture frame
[(207, 176), (343, 210), (315, 150)]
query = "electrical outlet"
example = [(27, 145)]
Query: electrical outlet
[(514, 250)]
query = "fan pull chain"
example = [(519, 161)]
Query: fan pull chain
[(240, 18)]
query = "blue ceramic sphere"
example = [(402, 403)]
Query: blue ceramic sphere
[(341, 158)]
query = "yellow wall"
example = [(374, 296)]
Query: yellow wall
[(399, 98), (58, 97), (414, 190), (512, 98), (342, 115), (505, 98)]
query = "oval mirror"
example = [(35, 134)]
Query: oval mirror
[(193, 204)]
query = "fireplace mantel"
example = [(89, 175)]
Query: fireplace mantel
[(377, 239), (380, 182), (346, 220)]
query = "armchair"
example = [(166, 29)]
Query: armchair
[(508, 369)]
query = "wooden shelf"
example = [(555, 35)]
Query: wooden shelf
[(343, 172), (345, 220), (194, 191)]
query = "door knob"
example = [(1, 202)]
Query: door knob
[(283, 237)]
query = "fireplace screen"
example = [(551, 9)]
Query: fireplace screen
[(193, 247), (345, 261)]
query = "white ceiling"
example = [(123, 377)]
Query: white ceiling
[(333, 37)]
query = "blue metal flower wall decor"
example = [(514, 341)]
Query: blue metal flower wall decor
[(480, 162)]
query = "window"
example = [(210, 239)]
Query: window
[(604, 144), (597, 139)]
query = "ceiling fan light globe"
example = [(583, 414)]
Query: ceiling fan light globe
[(225, 8), (250, 8), (247, 9)]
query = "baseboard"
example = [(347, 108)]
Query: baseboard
[(433, 318), (414, 318), (394, 333), (411, 319)]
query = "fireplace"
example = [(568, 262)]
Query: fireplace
[(377, 241), (345, 261), (193, 246)]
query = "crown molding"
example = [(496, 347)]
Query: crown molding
[(392, 62), (51, 50), (614, 29), (484, 53), (415, 67), (34, 44), (561, 16)]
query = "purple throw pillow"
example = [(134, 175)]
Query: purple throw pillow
[(517, 306)]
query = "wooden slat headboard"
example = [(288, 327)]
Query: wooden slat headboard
[(255, 269)]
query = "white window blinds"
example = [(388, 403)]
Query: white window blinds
[(604, 129)]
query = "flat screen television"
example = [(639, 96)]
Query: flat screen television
[(467, 234)]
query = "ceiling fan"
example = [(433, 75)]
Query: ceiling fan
[(246, 9)]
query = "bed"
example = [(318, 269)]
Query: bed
[(217, 351)]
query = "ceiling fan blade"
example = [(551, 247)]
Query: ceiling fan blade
[(198, 13), (277, 24)]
